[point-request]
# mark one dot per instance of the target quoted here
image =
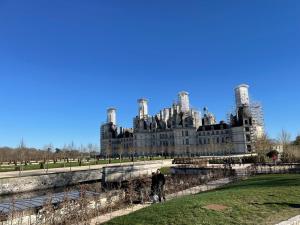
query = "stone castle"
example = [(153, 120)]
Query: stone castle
[(181, 131)]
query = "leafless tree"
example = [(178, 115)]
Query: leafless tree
[(120, 150), (262, 146), (284, 138)]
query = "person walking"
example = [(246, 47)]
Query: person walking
[(160, 185)]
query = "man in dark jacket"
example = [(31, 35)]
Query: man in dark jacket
[(160, 178)]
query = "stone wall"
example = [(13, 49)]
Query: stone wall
[(31, 183), (208, 173), (281, 168), (38, 216), (63, 179), (121, 173)]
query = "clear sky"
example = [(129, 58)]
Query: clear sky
[(62, 63)]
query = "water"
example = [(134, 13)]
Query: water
[(95, 186)]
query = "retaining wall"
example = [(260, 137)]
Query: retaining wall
[(121, 173), (39, 182), (63, 179)]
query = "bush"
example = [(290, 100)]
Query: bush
[(246, 159), (42, 165), (17, 168), (287, 157)]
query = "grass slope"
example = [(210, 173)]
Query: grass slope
[(265, 199)]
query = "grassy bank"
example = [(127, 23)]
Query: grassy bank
[(266, 199), (59, 164)]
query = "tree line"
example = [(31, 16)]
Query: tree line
[(288, 149), (25, 155)]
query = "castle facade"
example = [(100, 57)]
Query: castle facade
[(180, 130)]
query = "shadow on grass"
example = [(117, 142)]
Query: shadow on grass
[(291, 205), (266, 181)]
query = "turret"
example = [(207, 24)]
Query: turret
[(143, 108), (242, 95), (183, 101), (111, 116)]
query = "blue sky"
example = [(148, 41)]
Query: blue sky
[(62, 63)]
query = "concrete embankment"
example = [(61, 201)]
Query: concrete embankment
[(38, 182), (14, 185), (121, 173)]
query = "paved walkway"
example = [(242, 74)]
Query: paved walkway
[(77, 168), (209, 186), (292, 221)]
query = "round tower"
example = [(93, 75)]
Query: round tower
[(242, 95), (143, 108), (112, 116), (184, 101)]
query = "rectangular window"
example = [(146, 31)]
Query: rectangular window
[(249, 148), (248, 138), (187, 142)]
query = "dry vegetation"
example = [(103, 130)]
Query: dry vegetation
[(115, 197)]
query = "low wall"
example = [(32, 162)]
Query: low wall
[(209, 172), (121, 173), (281, 168), (39, 182), (43, 216), (62, 179)]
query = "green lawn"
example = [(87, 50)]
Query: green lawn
[(265, 199), (72, 164)]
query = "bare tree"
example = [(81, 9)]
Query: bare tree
[(108, 152), (71, 148), (21, 157), (131, 152), (91, 149), (284, 138), (120, 150), (262, 146), (47, 148)]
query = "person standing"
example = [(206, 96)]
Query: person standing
[(160, 185)]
